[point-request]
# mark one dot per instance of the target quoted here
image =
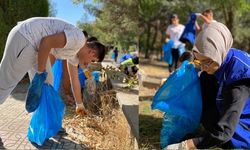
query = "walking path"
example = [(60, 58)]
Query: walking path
[(14, 123)]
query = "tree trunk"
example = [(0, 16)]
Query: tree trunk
[(154, 37), (229, 18), (148, 40)]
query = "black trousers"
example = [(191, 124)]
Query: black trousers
[(175, 55), (220, 126)]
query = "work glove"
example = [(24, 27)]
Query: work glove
[(34, 92), (80, 110)]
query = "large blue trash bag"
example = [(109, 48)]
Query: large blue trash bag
[(189, 32), (34, 92), (46, 121), (82, 77), (167, 49), (113, 56), (57, 74), (180, 98)]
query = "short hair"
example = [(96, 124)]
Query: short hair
[(186, 56), (135, 60), (92, 38), (207, 11), (85, 33), (173, 16), (99, 48)]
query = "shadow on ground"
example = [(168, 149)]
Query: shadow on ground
[(59, 143)]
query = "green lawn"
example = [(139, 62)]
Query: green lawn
[(150, 126)]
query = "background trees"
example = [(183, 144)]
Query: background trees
[(12, 11), (153, 16), (116, 22), (134, 24)]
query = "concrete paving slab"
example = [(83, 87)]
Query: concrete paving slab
[(14, 123)]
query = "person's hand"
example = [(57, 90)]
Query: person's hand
[(190, 144), (35, 91), (198, 14), (80, 110)]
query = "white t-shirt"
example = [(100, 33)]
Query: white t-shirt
[(206, 24), (34, 29), (175, 32)]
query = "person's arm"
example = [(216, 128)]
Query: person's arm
[(74, 79), (168, 33), (235, 96), (197, 27), (205, 19), (47, 43)]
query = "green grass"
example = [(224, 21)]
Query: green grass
[(150, 125)]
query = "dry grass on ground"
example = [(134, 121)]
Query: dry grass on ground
[(99, 132), (105, 126), (150, 121)]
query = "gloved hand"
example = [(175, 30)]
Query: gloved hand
[(34, 91), (198, 14), (80, 110)]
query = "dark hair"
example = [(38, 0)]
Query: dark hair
[(173, 16), (85, 33), (207, 11), (99, 48), (186, 56), (135, 60), (91, 39)]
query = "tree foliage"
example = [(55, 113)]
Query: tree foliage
[(116, 21), (12, 11), (154, 16)]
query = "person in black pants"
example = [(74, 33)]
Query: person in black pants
[(175, 55)]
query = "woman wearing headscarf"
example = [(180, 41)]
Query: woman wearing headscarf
[(225, 86)]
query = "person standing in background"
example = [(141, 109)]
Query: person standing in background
[(115, 51), (207, 17), (174, 32)]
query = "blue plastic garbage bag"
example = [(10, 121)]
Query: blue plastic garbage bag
[(57, 74), (82, 77), (46, 121), (189, 32), (34, 92), (113, 55), (167, 48), (180, 98), (124, 57), (96, 75), (181, 49)]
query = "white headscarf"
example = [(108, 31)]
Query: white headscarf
[(214, 42)]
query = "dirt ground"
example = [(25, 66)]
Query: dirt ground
[(156, 69), (150, 121)]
